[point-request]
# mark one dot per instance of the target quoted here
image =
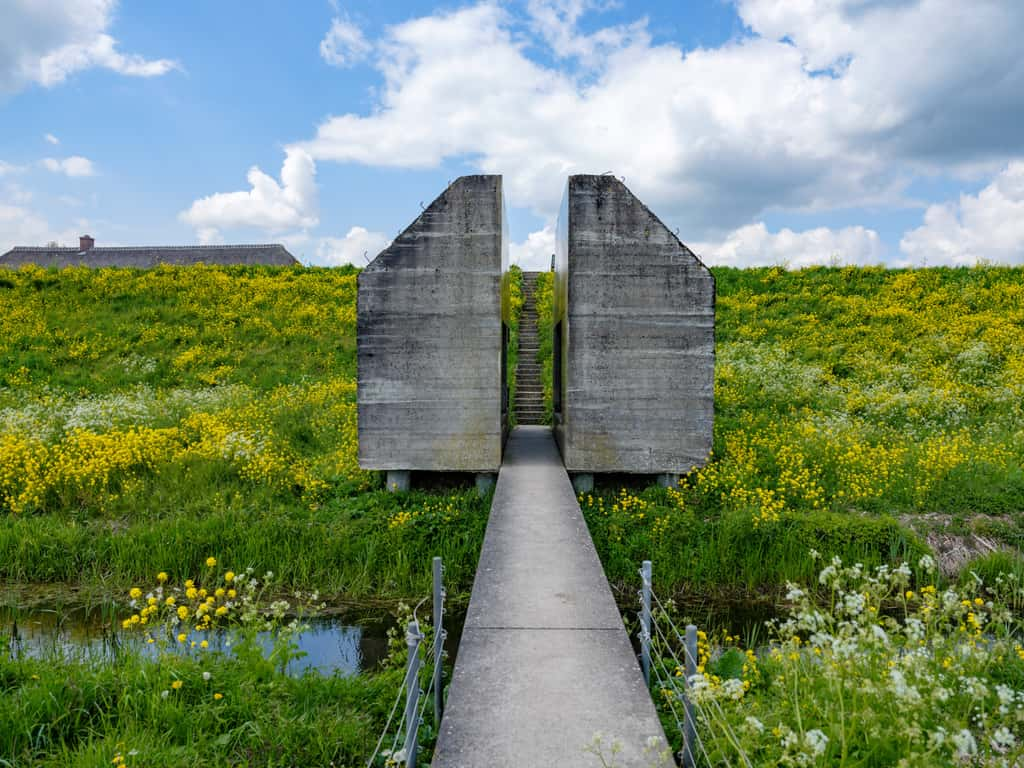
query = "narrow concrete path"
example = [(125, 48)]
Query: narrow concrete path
[(544, 661)]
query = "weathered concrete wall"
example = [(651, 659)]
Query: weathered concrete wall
[(429, 337), (637, 309)]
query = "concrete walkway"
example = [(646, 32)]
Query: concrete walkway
[(544, 660)]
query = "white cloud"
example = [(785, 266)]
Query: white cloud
[(267, 205), (21, 226), (6, 168), (988, 225), (712, 138), (534, 253), (344, 44), (755, 246), (45, 41), (357, 247), (74, 166), (51, 139)]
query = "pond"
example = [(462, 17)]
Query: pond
[(347, 643)]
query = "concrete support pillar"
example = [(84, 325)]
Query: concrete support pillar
[(399, 480), (583, 482), (485, 482), (668, 480)]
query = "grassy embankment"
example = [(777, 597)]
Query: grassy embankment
[(854, 407), (149, 420)]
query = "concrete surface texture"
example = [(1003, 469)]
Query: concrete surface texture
[(429, 337), (636, 310), (544, 661)]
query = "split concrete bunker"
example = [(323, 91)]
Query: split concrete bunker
[(634, 339), (430, 339), (634, 345)]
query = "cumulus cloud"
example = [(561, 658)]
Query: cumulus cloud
[(534, 253), (987, 226), (73, 166), (344, 44), (20, 225), (823, 105), (45, 41), (357, 247), (755, 246), (268, 204)]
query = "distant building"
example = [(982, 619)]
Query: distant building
[(143, 257)]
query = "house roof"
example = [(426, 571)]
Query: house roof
[(148, 256)]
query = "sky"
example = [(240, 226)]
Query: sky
[(766, 132)]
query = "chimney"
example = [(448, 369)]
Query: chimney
[(85, 242)]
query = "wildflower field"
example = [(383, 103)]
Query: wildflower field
[(862, 412), (157, 424)]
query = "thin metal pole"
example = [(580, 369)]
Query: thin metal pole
[(689, 729), (645, 621), (438, 640), (412, 692)]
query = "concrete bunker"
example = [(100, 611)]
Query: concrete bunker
[(634, 339), (430, 340)]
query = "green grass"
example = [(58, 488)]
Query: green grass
[(56, 712)]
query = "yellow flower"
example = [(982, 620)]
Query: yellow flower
[(204, 644), (135, 593), (229, 576), (126, 624), (218, 696), (183, 612), (232, 594), (221, 611), (191, 593), (170, 601), (161, 577), (211, 562), (151, 601), (181, 637), (219, 592), (176, 684)]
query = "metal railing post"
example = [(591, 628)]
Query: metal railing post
[(689, 727), (645, 621), (438, 641), (412, 692)]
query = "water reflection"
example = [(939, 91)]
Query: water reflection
[(340, 644)]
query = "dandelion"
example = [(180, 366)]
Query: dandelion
[(229, 576), (161, 577), (218, 696), (176, 685), (211, 562), (182, 637), (135, 593)]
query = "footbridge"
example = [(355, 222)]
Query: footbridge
[(544, 662)]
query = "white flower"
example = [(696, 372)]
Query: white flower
[(817, 741), (794, 593), (926, 563), (755, 724), (1002, 739), (937, 738), (965, 743), (854, 603), (900, 687), (164, 694), (207, 676)]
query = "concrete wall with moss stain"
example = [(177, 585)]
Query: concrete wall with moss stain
[(637, 310), (429, 337)]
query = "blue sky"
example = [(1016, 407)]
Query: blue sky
[(767, 131)]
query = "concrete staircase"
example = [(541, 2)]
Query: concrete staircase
[(529, 391)]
